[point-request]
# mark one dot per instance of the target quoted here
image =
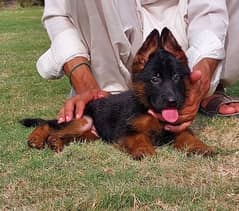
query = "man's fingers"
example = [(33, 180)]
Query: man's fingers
[(79, 109), (185, 118), (69, 109), (61, 115), (102, 94), (86, 98), (188, 113), (74, 107), (178, 128), (195, 76)]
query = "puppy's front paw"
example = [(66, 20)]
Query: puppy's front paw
[(202, 150), (140, 153), (186, 141), (55, 143)]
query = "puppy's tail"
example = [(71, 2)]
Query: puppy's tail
[(37, 122), (33, 122)]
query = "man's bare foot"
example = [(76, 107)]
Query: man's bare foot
[(220, 104)]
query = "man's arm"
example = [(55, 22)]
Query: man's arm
[(66, 40), (208, 22), (207, 30), (67, 50)]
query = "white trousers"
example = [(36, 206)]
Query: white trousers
[(113, 35), (230, 72)]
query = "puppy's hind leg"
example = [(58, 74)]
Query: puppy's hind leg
[(38, 137), (73, 131)]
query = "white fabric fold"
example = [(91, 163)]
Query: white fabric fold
[(211, 47), (110, 34), (65, 46)]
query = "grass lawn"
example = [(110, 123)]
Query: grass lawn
[(96, 176)]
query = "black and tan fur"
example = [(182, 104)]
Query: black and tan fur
[(159, 73)]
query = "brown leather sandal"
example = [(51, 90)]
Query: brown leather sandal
[(219, 98)]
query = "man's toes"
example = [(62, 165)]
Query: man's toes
[(227, 109), (236, 106)]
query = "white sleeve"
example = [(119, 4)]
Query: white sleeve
[(66, 40), (207, 30)]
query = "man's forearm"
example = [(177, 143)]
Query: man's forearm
[(81, 78)]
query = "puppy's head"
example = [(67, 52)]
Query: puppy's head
[(160, 69)]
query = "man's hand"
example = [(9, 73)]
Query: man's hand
[(74, 107), (86, 88), (196, 89)]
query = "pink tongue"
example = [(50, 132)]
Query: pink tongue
[(170, 115)]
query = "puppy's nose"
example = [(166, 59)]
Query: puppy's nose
[(172, 101)]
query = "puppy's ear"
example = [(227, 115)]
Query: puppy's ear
[(149, 47), (170, 44)]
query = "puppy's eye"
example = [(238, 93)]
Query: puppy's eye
[(176, 77), (156, 79)]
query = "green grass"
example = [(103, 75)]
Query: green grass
[(96, 176)]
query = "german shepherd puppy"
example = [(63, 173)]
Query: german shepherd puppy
[(159, 73)]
